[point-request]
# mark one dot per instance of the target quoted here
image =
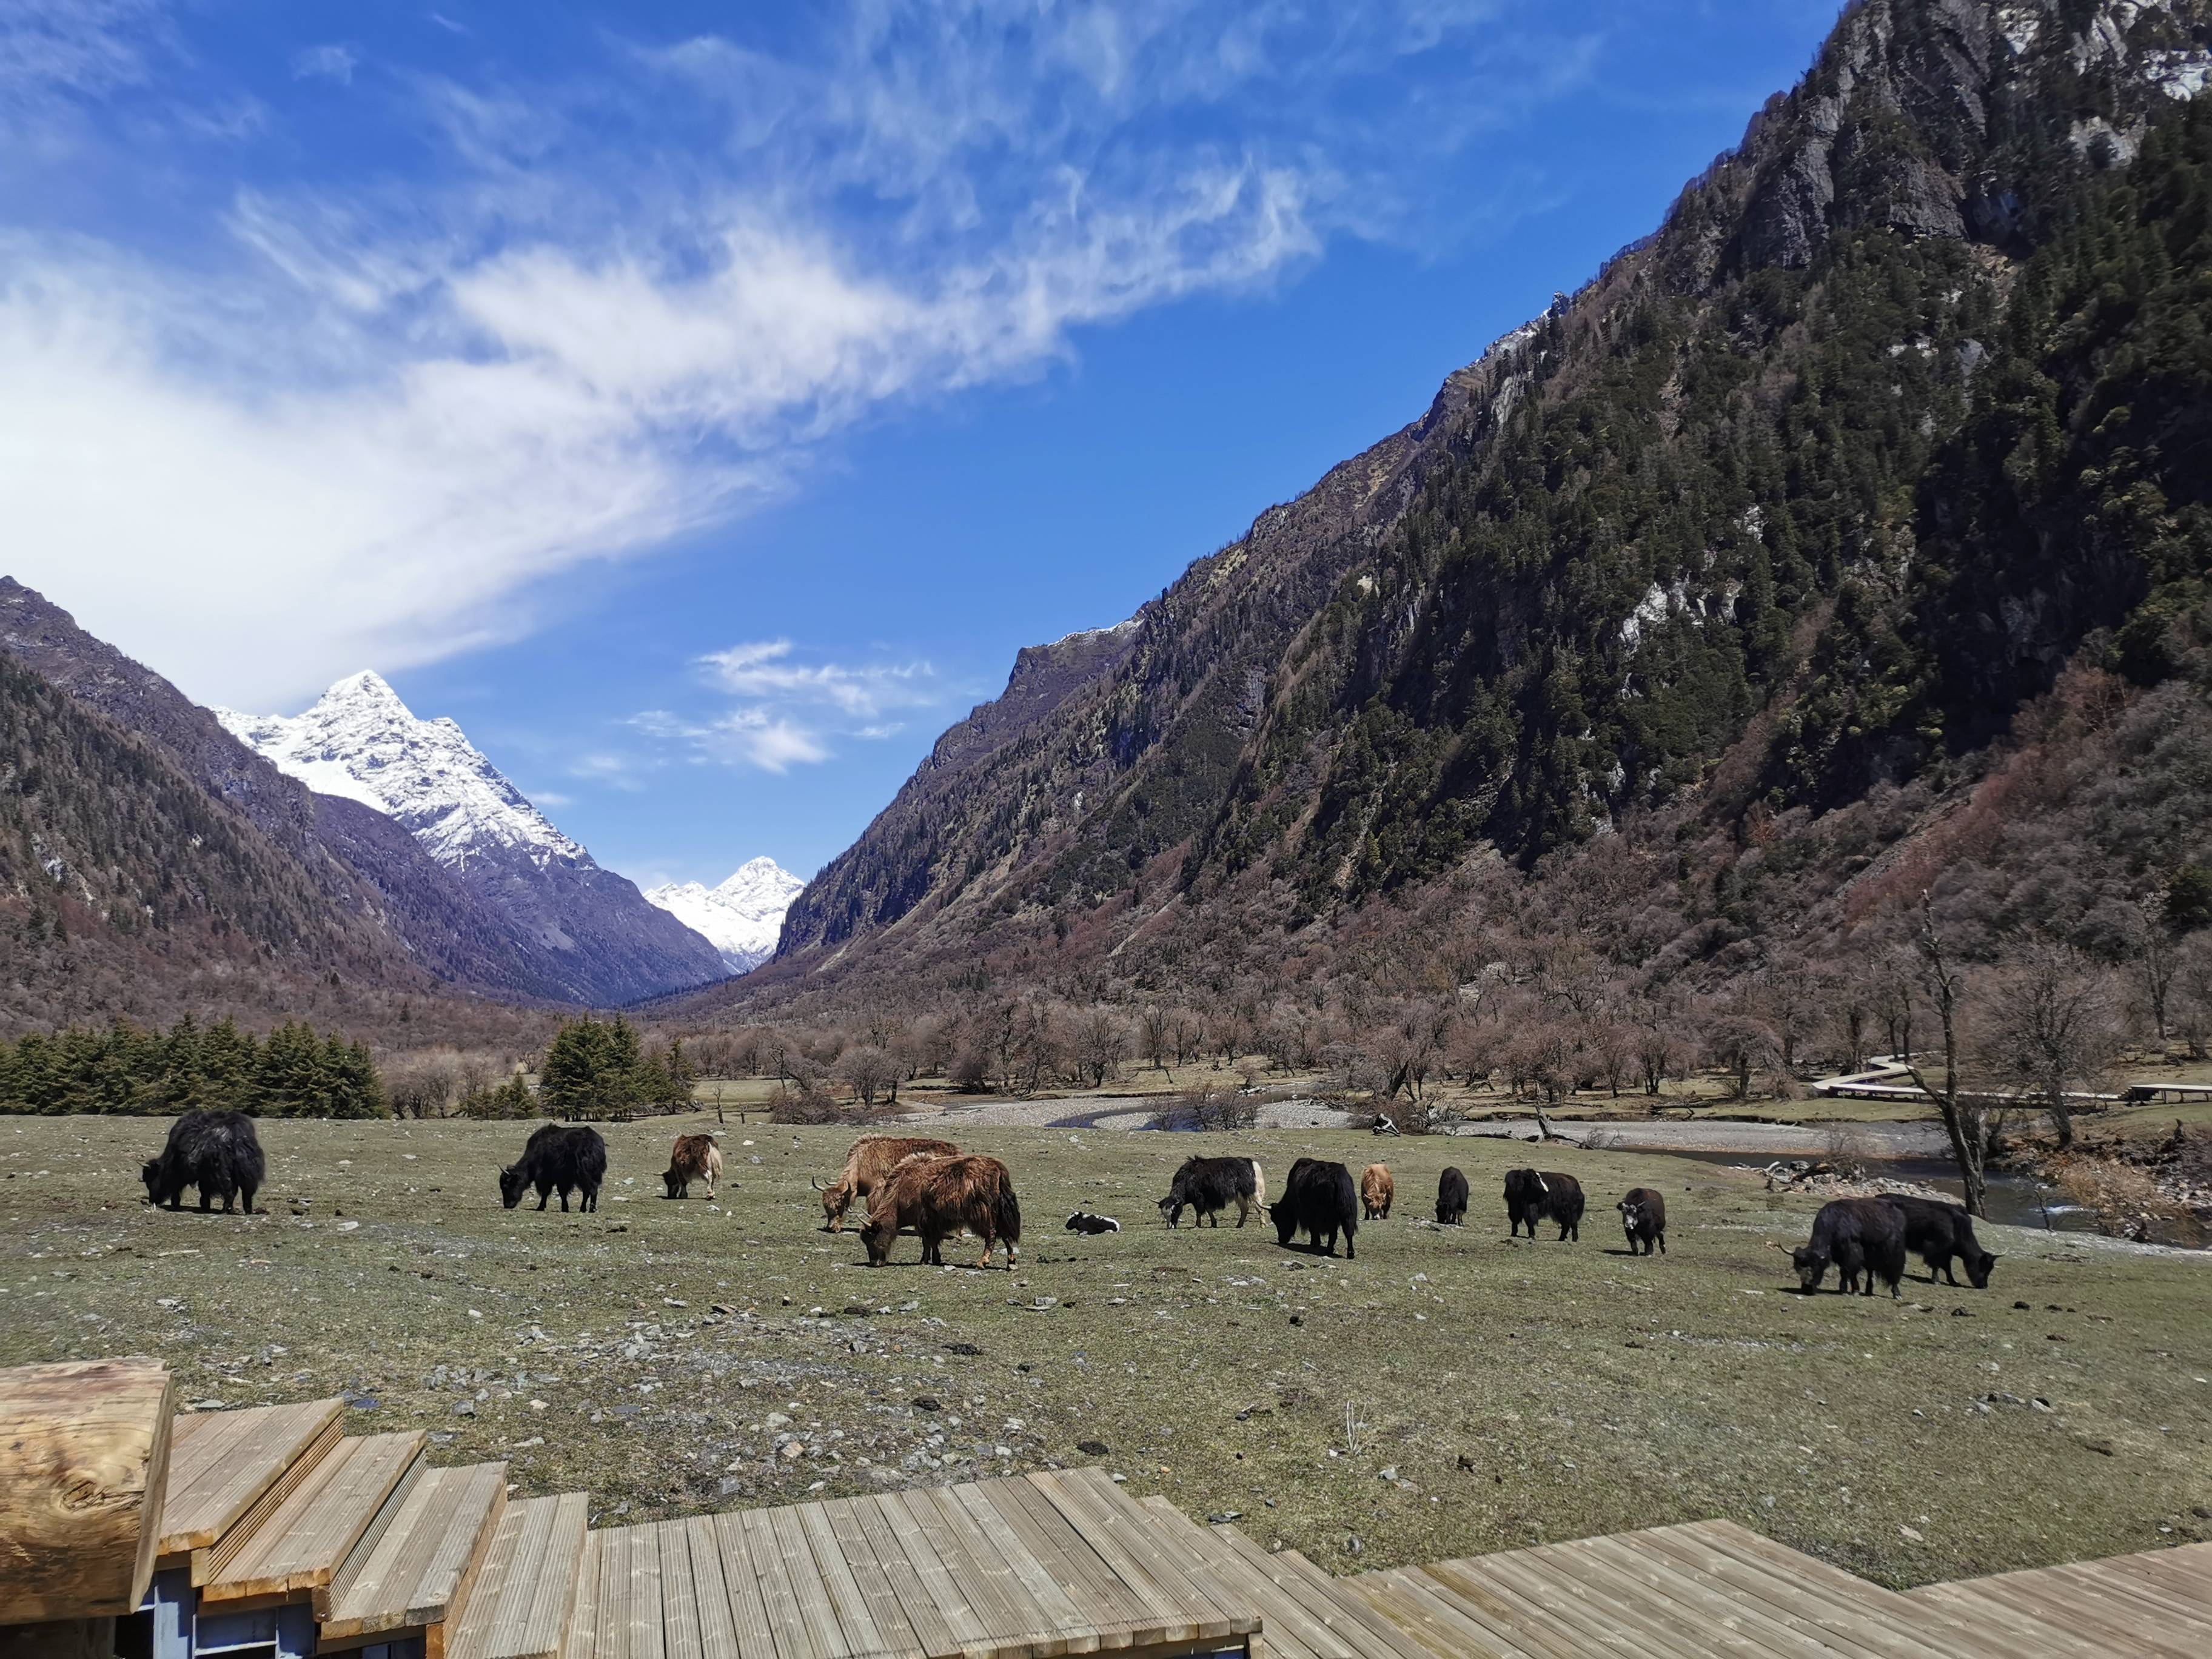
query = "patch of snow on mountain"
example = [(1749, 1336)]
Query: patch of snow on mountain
[(360, 741), (742, 918)]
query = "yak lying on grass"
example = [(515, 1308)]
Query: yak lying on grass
[(1091, 1225), (1376, 1190), (868, 1166), (1643, 1217), (1859, 1237), (1939, 1233), (1535, 1195), (1318, 1200), (1207, 1186), (697, 1158), (1451, 1198), (559, 1158), (217, 1152), (936, 1196)]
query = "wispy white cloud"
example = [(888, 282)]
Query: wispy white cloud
[(793, 711), (374, 421), (333, 61), (764, 669)]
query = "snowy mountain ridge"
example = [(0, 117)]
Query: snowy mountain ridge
[(742, 918), (361, 741)]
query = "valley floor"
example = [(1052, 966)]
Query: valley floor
[(1446, 1392)]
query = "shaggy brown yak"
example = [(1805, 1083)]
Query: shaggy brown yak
[(1376, 1190), (936, 1196), (868, 1166), (697, 1158)]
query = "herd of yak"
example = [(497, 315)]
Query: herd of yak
[(930, 1187)]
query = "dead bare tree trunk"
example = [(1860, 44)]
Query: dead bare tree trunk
[(1962, 1122)]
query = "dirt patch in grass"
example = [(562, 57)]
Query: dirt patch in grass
[(1448, 1393)]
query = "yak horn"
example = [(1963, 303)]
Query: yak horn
[(819, 1187), (1772, 1245)]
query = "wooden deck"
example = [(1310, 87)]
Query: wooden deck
[(357, 1543)]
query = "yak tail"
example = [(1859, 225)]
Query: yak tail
[(1541, 1186), (1259, 1183), (1006, 1214)]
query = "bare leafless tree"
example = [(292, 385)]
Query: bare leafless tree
[(1966, 1120), (2054, 1029)]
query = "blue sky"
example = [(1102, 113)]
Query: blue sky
[(701, 403)]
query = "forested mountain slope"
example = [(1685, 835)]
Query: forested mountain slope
[(1803, 505)]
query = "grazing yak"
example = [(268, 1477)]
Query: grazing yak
[(1083, 1222), (1860, 1236), (868, 1166), (1317, 1200), (1376, 1190), (697, 1158), (1643, 1217), (936, 1196), (1207, 1186), (1535, 1195), (217, 1152), (1937, 1232), (559, 1157), (1451, 1198)]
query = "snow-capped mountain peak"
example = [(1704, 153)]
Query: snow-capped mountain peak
[(360, 741), (742, 918)]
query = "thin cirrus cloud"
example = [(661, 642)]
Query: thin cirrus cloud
[(325, 414), (791, 711)]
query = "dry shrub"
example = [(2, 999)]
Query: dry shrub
[(1209, 1108), (2126, 1200)]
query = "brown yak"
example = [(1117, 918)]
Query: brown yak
[(697, 1158), (1376, 1190), (867, 1166), (936, 1196)]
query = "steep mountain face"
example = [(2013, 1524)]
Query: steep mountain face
[(588, 928), (742, 918), (1902, 411)]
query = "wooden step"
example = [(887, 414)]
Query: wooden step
[(525, 1597), (307, 1537), (228, 1470), (419, 1572)]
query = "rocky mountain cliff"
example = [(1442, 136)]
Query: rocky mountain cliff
[(1899, 413), (586, 929)]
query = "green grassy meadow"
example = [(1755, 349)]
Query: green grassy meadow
[(1448, 1393)]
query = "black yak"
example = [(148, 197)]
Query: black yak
[(1937, 1232), (1318, 1200), (1643, 1217), (1377, 1188), (1860, 1236), (868, 1166), (217, 1152), (937, 1197), (559, 1157), (696, 1158), (1451, 1198), (1207, 1186), (1535, 1195), (1083, 1222)]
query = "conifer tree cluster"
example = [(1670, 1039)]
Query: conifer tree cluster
[(597, 1070), (294, 1071)]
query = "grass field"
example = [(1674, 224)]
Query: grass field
[(1448, 1392)]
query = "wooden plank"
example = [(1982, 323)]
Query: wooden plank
[(229, 1460), (357, 1560), (1788, 1579), (993, 1590), (718, 1637), (795, 1638), (749, 1616), (648, 1624), (1470, 1582), (1679, 1614), (1113, 1610), (2043, 1603), (916, 1572), (1182, 1612), (616, 1587), (308, 1536), (2006, 1627), (418, 1571), (1078, 1627), (583, 1624), (804, 1573), (879, 1575), (1437, 1623), (84, 1469), (680, 1593), (208, 1560), (855, 1608), (2127, 1604), (528, 1589)]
